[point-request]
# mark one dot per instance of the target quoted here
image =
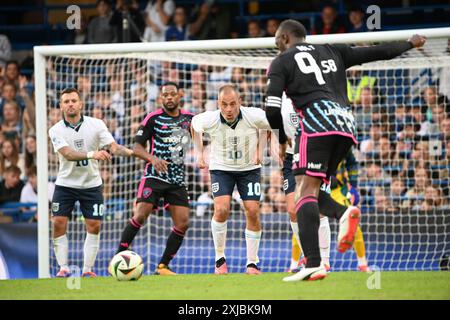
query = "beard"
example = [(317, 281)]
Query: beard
[(170, 107)]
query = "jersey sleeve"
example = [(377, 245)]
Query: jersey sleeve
[(275, 86), (203, 122), (358, 55), (259, 119), (105, 137), (144, 133), (57, 141)]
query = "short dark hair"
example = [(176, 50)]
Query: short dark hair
[(13, 169), (70, 90), (12, 62), (32, 171), (170, 83), (293, 27)]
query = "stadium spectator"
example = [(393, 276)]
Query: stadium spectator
[(9, 94), (11, 124), (84, 86), (157, 16), (356, 20), (433, 199), (11, 185), (54, 115), (397, 192), (415, 195), (128, 11), (385, 151), (210, 21), (445, 128), (329, 22), (216, 78), (382, 203), (30, 152), (29, 192), (370, 144), (432, 127), (430, 99), (78, 35), (99, 30), (271, 27), (416, 113), (10, 156), (364, 111), (356, 81), (254, 29), (29, 112), (5, 51), (12, 72), (178, 29)]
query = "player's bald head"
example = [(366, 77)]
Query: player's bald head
[(290, 32), (228, 88)]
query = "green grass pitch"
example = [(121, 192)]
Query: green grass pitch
[(338, 285)]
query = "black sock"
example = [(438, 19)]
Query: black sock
[(329, 207), (173, 244), (308, 225), (128, 235)]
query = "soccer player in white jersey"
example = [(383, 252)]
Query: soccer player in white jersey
[(291, 125), (80, 142), (234, 160)]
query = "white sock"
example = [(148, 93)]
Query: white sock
[(61, 248), (362, 261), (252, 238), (294, 227), (219, 233), (324, 240), (91, 245)]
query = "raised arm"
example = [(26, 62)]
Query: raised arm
[(358, 55)]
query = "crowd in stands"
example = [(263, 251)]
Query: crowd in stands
[(403, 151)]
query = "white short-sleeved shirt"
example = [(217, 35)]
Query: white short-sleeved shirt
[(232, 149), (149, 34), (291, 121), (91, 135)]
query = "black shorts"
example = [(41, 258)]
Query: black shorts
[(91, 202), (288, 175), (248, 183), (151, 190), (319, 155)]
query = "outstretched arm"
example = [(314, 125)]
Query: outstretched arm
[(121, 151), (358, 55), (73, 155)]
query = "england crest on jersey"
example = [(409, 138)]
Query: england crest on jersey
[(215, 187), (295, 119), (79, 144)]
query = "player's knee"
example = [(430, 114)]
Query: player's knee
[(93, 227), (253, 213), (221, 213), (59, 225)]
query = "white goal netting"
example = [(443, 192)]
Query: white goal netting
[(401, 107)]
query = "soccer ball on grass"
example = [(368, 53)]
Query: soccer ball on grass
[(126, 265)]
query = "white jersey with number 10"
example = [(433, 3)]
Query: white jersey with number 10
[(232, 149), (90, 135)]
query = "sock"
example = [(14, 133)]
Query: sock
[(219, 233), (324, 240), (295, 253), (173, 244), (308, 224), (329, 207), (61, 247), (128, 235), (91, 245), (296, 247), (359, 247), (252, 238)]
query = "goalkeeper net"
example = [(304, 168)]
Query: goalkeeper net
[(401, 108)]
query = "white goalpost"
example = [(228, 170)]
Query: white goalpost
[(119, 84)]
